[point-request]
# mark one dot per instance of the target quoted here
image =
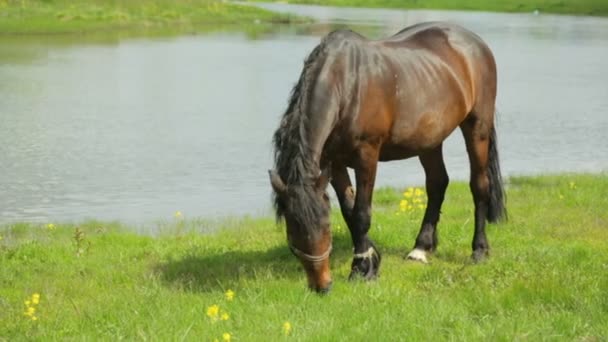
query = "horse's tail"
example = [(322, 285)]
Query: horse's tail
[(497, 210)]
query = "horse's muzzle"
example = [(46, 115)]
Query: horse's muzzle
[(321, 290)]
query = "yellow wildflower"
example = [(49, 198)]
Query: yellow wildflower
[(50, 226), (224, 316), (36, 298), (178, 214), (30, 311), (229, 295), (418, 192), (226, 337), (213, 311), (408, 193), (27, 303), (286, 328), (34, 318)]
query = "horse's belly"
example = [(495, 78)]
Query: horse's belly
[(390, 152)]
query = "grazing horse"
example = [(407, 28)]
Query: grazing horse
[(361, 101)]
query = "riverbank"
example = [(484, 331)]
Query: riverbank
[(546, 277), (63, 16), (576, 7)]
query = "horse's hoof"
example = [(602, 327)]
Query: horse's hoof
[(366, 265), (418, 255), (480, 255)]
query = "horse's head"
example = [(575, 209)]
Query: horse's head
[(305, 208)]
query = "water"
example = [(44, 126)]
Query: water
[(136, 129)]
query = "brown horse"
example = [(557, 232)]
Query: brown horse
[(360, 101)]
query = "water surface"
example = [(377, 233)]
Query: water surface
[(135, 129)]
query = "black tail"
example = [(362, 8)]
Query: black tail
[(497, 210)]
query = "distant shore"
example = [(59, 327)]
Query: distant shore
[(574, 7), (85, 16)]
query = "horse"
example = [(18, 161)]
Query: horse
[(361, 101)]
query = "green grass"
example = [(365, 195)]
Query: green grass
[(584, 7), (66, 16), (546, 279)]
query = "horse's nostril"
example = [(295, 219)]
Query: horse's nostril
[(323, 290)]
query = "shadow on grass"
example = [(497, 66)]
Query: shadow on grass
[(206, 273)]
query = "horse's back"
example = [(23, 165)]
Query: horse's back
[(418, 84)]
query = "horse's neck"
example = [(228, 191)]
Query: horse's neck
[(320, 125)]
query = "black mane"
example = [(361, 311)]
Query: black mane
[(293, 157)]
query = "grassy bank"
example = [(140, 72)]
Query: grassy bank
[(65, 16), (582, 7), (546, 279)]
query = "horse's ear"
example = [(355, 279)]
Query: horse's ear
[(277, 183), (324, 178)]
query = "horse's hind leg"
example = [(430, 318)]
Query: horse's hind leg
[(436, 183), (476, 131)]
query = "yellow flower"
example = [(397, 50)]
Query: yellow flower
[(50, 226), (36, 298), (34, 318), (408, 193), (178, 214), (229, 295), (30, 311), (226, 337), (418, 192), (27, 303), (224, 316), (213, 311), (286, 328)]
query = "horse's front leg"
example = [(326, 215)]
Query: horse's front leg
[(366, 260), (340, 181)]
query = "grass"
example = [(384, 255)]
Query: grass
[(66, 16), (546, 279), (583, 7)]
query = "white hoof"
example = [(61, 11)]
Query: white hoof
[(418, 255)]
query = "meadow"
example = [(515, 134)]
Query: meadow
[(546, 278), (578, 7)]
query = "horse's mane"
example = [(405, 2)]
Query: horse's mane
[(293, 156)]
